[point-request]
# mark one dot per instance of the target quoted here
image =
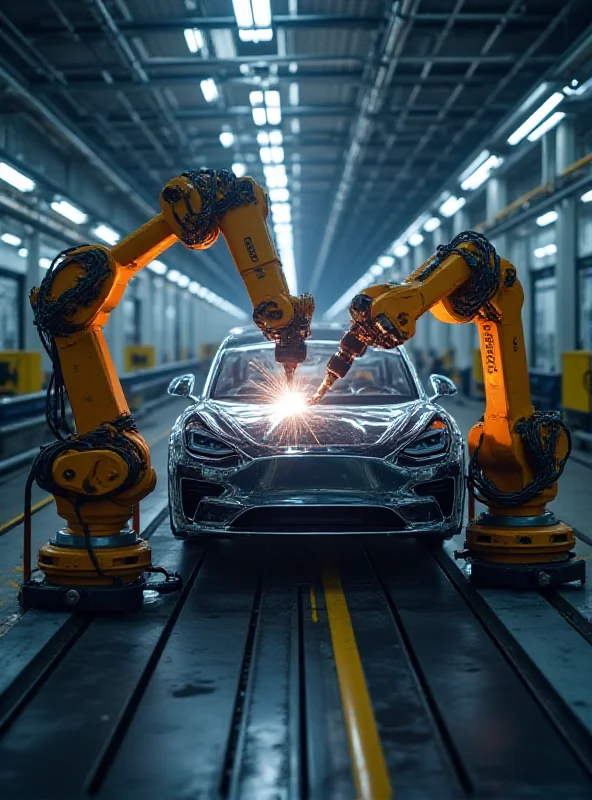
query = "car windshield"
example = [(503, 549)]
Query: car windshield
[(250, 374)]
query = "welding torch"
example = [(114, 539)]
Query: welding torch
[(364, 332), (290, 339)]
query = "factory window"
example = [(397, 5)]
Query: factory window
[(584, 221), (10, 311), (131, 323), (585, 308), (544, 322)]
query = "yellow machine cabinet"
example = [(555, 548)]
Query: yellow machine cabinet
[(139, 356), (577, 381), (20, 372), (207, 351)]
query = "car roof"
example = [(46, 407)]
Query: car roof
[(252, 335)]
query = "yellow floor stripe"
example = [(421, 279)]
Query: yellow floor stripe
[(369, 767), (19, 517), (313, 605), (47, 500)]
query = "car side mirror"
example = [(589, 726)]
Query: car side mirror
[(442, 386), (182, 386)]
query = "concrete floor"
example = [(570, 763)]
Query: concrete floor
[(232, 689)]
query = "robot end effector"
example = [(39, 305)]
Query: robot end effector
[(364, 331), (290, 339)]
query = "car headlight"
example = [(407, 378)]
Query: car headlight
[(433, 442), (205, 444)]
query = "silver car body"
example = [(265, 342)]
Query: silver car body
[(336, 468)]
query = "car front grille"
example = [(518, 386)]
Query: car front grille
[(442, 491), (319, 519), (193, 492)]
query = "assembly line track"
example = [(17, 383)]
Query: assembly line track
[(245, 685)]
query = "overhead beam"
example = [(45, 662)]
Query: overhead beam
[(225, 114), (280, 21), (78, 82), (332, 58)]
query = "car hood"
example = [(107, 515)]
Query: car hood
[(257, 431)]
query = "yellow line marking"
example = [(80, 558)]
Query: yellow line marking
[(369, 767), (47, 500), (19, 518), (313, 605)]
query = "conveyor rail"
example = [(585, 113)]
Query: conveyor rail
[(231, 689)]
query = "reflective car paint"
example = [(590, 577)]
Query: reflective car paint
[(346, 471)]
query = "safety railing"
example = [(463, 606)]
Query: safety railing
[(22, 418), (576, 176), (138, 386)]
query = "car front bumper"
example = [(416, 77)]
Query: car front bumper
[(317, 494)]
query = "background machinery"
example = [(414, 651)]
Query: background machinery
[(516, 453), (100, 472)]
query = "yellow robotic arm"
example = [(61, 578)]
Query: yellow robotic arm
[(99, 474), (517, 454)]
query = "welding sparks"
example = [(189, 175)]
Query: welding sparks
[(288, 407), (290, 402)]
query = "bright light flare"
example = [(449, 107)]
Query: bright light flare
[(289, 411), (289, 403)]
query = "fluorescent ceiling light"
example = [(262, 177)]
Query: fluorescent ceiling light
[(385, 261), (45, 263), (239, 169), (12, 239), (16, 178), (475, 164), (535, 119), (275, 137), (106, 234), (209, 90), (272, 98), (376, 270), (274, 116), (482, 173), (432, 224), (243, 13), (23, 252), (547, 250), (401, 250), (294, 94), (415, 239), (69, 211), (547, 125), (280, 212), (272, 155), (173, 275), (194, 287), (546, 219), (587, 197), (450, 206), (283, 195), (261, 13), (255, 35), (263, 138), (256, 98), (158, 267), (194, 39), (259, 116), (275, 176), (183, 281), (277, 154), (227, 139)]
